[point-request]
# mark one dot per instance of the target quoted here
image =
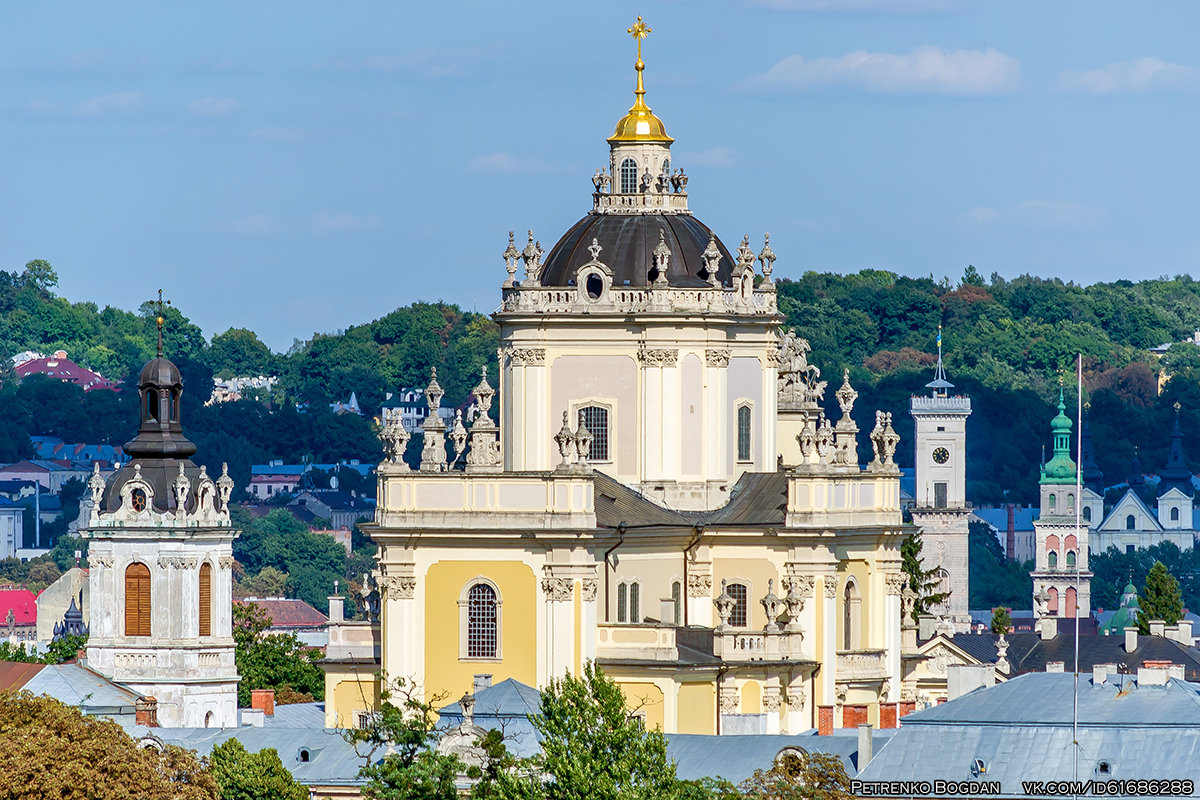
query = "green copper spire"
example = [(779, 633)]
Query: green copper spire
[(1060, 468)]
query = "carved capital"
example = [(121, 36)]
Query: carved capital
[(895, 583), (802, 585), (590, 588), (177, 562), (397, 587), (526, 356), (772, 702), (717, 358), (226, 562), (658, 357), (558, 590), (729, 699), (830, 583), (699, 585)]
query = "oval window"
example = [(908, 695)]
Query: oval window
[(594, 286)]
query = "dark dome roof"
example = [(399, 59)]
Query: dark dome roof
[(160, 372), (160, 473), (628, 241)]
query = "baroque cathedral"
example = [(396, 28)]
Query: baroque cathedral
[(660, 492)]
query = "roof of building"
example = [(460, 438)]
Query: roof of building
[(627, 242), (23, 604), (76, 685), (287, 612), (296, 715), (335, 499), (758, 498), (60, 367), (15, 674), (1021, 730), (1028, 652)]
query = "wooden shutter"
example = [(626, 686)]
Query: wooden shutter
[(205, 599), (137, 600)]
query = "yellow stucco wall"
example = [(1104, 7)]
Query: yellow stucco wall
[(697, 708), (751, 698), (347, 691), (446, 674), (861, 572), (755, 571), (645, 697)]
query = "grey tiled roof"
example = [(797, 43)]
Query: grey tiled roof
[(758, 498), (80, 687), (1028, 652)]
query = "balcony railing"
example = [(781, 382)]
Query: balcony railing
[(861, 665)]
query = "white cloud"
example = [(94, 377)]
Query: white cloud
[(926, 70), (213, 106), (716, 157), (1040, 214), (277, 134), (887, 6), (110, 103), (506, 164), (254, 225), (325, 222), (1140, 76)]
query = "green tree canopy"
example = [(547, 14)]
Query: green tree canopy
[(273, 660), (1160, 599), (243, 775)]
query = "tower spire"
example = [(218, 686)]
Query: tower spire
[(640, 125), (159, 319), (939, 384)]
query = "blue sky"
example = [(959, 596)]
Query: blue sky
[(298, 167)]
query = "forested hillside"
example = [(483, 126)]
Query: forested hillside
[(1006, 343)]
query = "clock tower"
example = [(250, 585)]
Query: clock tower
[(940, 508)]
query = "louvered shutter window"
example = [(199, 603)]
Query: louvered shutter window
[(137, 600), (205, 599)]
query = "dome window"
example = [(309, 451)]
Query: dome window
[(594, 285), (629, 176)]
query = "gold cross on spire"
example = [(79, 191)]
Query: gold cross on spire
[(159, 320), (639, 31)]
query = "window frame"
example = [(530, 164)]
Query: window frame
[(608, 405), (743, 602), (464, 620), (748, 407), (621, 175), (205, 612), (141, 596)]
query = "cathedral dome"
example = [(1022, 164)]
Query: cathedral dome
[(160, 372), (627, 242)]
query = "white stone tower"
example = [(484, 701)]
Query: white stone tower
[(941, 509), (161, 561), (1060, 537)]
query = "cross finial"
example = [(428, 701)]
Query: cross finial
[(159, 320), (639, 31)]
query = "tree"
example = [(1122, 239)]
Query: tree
[(49, 749), (269, 582), (925, 582), (252, 776), (239, 353), (1001, 620), (39, 273), (272, 661), (411, 767), (800, 776), (595, 748), (1160, 598)]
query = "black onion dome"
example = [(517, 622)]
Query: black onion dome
[(160, 372), (627, 242)]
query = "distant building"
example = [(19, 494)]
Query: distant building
[(18, 616), (413, 408), (288, 615), (55, 600), (351, 406), (52, 447), (1013, 528), (268, 480), (229, 390), (59, 366), (340, 535), (342, 509), (12, 528), (52, 473)]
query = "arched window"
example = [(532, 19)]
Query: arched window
[(635, 602), (1052, 606), (137, 600), (1071, 602), (206, 600), (666, 170), (1174, 515), (1087, 513), (1053, 502), (1130, 522), (622, 602), (481, 622), (850, 619), (174, 406), (737, 617), (1071, 559), (677, 602), (151, 400), (1052, 559), (629, 176), (1071, 503), (596, 420), (743, 433)]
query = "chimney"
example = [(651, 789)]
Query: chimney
[(482, 681), (864, 745), (1100, 673), (1047, 627), (1176, 671), (1158, 627), (666, 611), (964, 678), (145, 712), (1011, 539), (1054, 666), (250, 717), (926, 625), (824, 720), (337, 612), (1183, 633), (1131, 636), (1151, 674), (264, 700)]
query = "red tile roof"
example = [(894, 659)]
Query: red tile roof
[(65, 370), (285, 613), (23, 604)]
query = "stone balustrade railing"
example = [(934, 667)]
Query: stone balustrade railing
[(861, 665), (715, 300), (732, 645)]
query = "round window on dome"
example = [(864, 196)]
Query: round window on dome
[(594, 286)]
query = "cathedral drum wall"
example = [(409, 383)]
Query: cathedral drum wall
[(608, 381), (449, 670), (745, 382)]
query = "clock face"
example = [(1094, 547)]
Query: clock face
[(941, 455)]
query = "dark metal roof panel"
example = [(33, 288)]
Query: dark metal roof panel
[(758, 498), (616, 503)]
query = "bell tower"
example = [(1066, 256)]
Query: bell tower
[(161, 561), (941, 508)]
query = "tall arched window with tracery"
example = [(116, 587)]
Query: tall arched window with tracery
[(482, 623), (629, 176), (595, 419), (737, 616), (743, 433)]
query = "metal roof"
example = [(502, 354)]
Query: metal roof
[(758, 498), (1028, 652), (78, 686)]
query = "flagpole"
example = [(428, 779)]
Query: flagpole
[(1079, 553)]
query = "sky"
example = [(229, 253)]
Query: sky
[(299, 167)]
